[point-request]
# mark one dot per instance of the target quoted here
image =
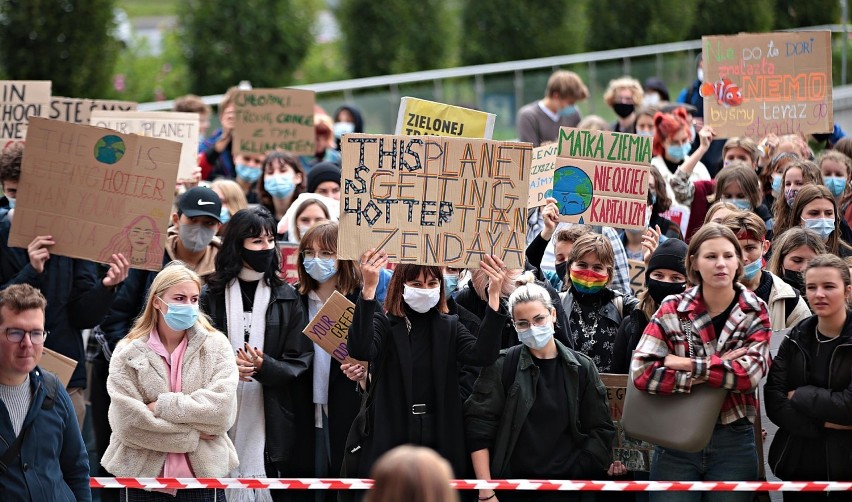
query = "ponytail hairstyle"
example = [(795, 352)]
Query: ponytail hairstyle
[(527, 292), (666, 125)]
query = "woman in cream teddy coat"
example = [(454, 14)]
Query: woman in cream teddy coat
[(173, 383)]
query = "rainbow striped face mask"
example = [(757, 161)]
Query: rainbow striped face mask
[(588, 281)]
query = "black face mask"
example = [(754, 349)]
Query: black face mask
[(623, 110), (795, 279), (259, 261), (562, 271), (659, 290)]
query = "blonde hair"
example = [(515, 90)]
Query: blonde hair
[(233, 194), (716, 207), (629, 83), (744, 143), (529, 292), (414, 474), (172, 274), (594, 123)]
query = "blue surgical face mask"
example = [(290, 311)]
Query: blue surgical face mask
[(180, 316), (224, 215), (536, 337), (742, 204), (11, 202), (751, 270), (321, 269), (776, 184), (280, 186), (676, 152), (686, 148), (653, 198), (247, 173), (647, 134), (836, 184), (451, 283), (823, 226), (568, 110)]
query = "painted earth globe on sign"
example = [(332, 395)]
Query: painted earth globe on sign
[(572, 189), (109, 149)]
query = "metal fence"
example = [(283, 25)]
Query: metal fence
[(502, 88)]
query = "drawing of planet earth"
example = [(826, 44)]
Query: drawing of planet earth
[(109, 149), (572, 189)]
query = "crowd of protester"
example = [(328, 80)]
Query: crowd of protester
[(202, 370)]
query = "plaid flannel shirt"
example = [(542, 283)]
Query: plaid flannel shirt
[(747, 326)]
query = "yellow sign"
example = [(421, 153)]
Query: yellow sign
[(421, 117)]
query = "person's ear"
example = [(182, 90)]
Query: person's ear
[(175, 219), (766, 245)]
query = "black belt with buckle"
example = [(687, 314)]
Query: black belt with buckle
[(420, 409)]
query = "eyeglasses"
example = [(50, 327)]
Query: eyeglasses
[(538, 321), (310, 254), (16, 335)]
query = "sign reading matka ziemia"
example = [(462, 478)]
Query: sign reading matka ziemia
[(419, 116), (778, 83), (79, 111), (601, 178), (433, 200), (96, 191), (20, 99), (175, 126), (274, 119)]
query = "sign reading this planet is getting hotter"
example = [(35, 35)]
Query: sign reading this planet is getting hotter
[(601, 178)]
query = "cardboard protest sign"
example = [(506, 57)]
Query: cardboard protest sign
[(601, 178), (289, 261), (634, 454), (330, 328), (96, 191), (419, 116), (274, 119), (21, 99), (433, 200), (175, 126), (637, 276), (764, 83), (541, 174), (79, 111), (61, 366)]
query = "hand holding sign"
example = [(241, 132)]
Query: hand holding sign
[(550, 215), (497, 274), (38, 252), (650, 241), (371, 265), (119, 266), (354, 372)]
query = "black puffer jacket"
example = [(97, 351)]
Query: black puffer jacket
[(803, 448)]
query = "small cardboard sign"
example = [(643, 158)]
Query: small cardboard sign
[(634, 454), (61, 366), (79, 111), (330, 327), (96, 191), (21, 99), (762, 83), (637, 276), (289, 261), (541, 174), (274, 119), (433, 200), (175, 126), (422, 117), (601, 178)]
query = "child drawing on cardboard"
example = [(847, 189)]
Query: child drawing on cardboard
[(140, 240)]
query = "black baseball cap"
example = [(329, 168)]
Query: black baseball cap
[(200, 201)]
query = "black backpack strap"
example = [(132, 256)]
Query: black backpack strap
[(510, 366)]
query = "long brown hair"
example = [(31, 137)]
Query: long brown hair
[(808, 194), (324, 236), (789, 241), (783, 213), (743, 174), (705, 233), (394, 303)]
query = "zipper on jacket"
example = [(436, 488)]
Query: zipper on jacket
[(830, 373)]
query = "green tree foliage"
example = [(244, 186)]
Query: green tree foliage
[(507, 30), (67, 41), (393, 36), (800, 13), (752, 16), (614, 24), (263, 41)]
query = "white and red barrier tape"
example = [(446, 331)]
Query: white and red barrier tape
[(475, 484)]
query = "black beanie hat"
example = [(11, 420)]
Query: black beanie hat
[(324, 171), (671, 255)]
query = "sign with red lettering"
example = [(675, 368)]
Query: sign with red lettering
[(433, 200), (601, 178), (96, 191), (289, 261), (761, 83), (330, 327)]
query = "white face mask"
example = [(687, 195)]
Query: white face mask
[(652, 99), (700, 74), (421, 299)]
